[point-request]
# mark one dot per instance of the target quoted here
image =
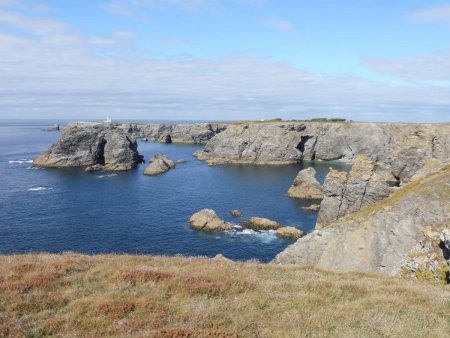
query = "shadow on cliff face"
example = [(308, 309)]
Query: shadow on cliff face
[(99, 155)]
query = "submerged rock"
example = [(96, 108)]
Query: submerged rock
[(207, 220), (236, 213), (85, 144), (306, 186), (94, 168), (159, 164), (260, 223), (312, 207), (290, 233), (181, 161)]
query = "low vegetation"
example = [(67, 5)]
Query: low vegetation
[(109, 295)]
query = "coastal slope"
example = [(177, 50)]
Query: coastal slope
[(380, 237), (119, 295)]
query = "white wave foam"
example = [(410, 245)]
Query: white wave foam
[(21, 161), (265, 236), (34, 168), (39, 189), (106, 176)]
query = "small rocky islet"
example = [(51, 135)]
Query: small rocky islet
[(365, 220)]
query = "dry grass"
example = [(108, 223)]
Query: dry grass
[(144, 296)]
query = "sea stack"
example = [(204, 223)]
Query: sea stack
[(85, 144)]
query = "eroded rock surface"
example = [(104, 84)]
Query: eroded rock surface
[(207, 220), (198, 133), (159, 164), (261, 224), (290, 233), (84, 144), (349, 192), (380, 236), (306, 186), (402, 146)]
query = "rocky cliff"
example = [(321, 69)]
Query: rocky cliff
[(345, 193), (403, 146), (198, 133), (380, 236), (84, 144)]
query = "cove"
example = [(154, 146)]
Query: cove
[(58, 210)]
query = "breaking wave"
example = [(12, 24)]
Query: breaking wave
[(107, 175), (21, 161), (39, 189)]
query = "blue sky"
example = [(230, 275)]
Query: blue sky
[(225, 59)]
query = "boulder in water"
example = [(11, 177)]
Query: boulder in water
[(207, 220), (159, 164), (260, 223), (290, 233)]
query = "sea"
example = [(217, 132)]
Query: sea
[(69, 210)]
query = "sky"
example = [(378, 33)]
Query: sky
[(362, 60)]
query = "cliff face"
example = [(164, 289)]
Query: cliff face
[(403, 146), (345, 193), (380, 236), (88, 144), (198, 133)]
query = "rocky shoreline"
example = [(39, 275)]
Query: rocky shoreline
[(370, 218)]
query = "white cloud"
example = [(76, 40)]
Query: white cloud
[(431, 14), (279, 25), (26, 5), (52, 71), (428, 67), (134, 7)]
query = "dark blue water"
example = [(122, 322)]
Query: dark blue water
[(56, 210)]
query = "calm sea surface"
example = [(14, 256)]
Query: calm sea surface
[(56, 210)]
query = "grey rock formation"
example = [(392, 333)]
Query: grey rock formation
[(306, 186), (282, 142), (85, 144), (260, 223), (380, 236), (348, 192), (290, 233), (159, 164), (94, 168), (236, 213), (198, 133), (207, 220)]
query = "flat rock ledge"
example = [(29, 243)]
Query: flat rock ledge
[(207, 220), (261, 224), (306, 186), (290, 233), (312, 207), (159, 164)]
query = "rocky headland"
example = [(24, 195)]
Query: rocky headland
[(403, 147), (84, 144)]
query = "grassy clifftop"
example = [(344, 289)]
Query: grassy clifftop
[(76, 295)]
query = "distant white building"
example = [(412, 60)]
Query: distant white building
[(108, 120)]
